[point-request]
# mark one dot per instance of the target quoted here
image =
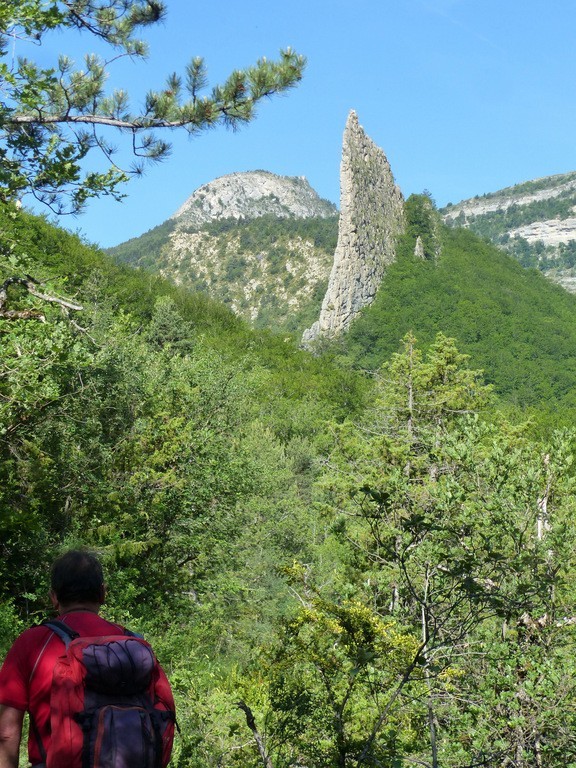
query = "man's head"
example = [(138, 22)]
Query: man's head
[(76, 579)]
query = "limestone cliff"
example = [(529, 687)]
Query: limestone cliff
[(534, 221), (250, 195), (371, 219)]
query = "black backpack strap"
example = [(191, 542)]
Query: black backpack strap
[(39, 742), (129, 633), (64, 632)]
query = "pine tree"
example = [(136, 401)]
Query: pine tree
[(51, 118), (458, 527)]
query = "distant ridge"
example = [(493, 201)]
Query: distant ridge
[(250, 195), (534, 221)]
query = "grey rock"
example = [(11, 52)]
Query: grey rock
[(371, 219), (419, 249), (250, 195)]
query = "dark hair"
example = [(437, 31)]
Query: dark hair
[(76, 577)]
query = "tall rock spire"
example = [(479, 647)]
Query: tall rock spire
[(371, 218)]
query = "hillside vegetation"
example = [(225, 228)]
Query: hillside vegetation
[(533, 221), (271, 271), (379, 569), (519, 328)]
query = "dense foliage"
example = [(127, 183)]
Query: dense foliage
[(516, 326), (143, 251), (460, 531), (335, 570)]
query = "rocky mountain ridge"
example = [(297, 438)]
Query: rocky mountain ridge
[(520, 194), (534, 221), (266, 245), (249, 195), (263, 244), (270, 248)]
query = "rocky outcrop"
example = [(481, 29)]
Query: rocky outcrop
[(423, 227), (419, 251), (528, 193), (250, 195), (534, 222), (371, 219), (552, 232)]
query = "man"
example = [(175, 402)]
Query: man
[(77, 594)]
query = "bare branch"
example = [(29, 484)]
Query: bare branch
[(30, 285), (251, 723)]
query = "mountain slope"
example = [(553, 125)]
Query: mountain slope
[(262, 244), (516, 325), (534, 221), (107, 290)]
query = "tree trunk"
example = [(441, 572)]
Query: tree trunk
[(432, 728), (266, 761)]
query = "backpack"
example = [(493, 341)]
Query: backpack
[(110, 705)]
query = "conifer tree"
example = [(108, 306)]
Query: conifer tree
[(51, 117), (460, 528)]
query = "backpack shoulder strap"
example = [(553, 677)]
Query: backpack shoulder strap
[(64, 632), (129, 633), (67, 634)]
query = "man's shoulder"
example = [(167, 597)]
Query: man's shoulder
[(35, 637), (32, 637), (19, 662), (91, 624), (78, 622)]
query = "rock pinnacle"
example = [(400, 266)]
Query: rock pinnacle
[(371, 218)]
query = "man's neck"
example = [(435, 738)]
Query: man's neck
[(75, 607)]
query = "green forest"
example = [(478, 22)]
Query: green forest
[(358, 557), (272, 252)]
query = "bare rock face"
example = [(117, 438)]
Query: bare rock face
[(250, 195), (371, 219), (419, 252), (551, 232), (534, 221)]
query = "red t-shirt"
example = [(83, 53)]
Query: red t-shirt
[(26, 675)]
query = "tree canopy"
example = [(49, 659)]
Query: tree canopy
[(335, 570), (52, 117)]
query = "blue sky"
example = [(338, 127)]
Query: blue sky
[(464, 96)]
